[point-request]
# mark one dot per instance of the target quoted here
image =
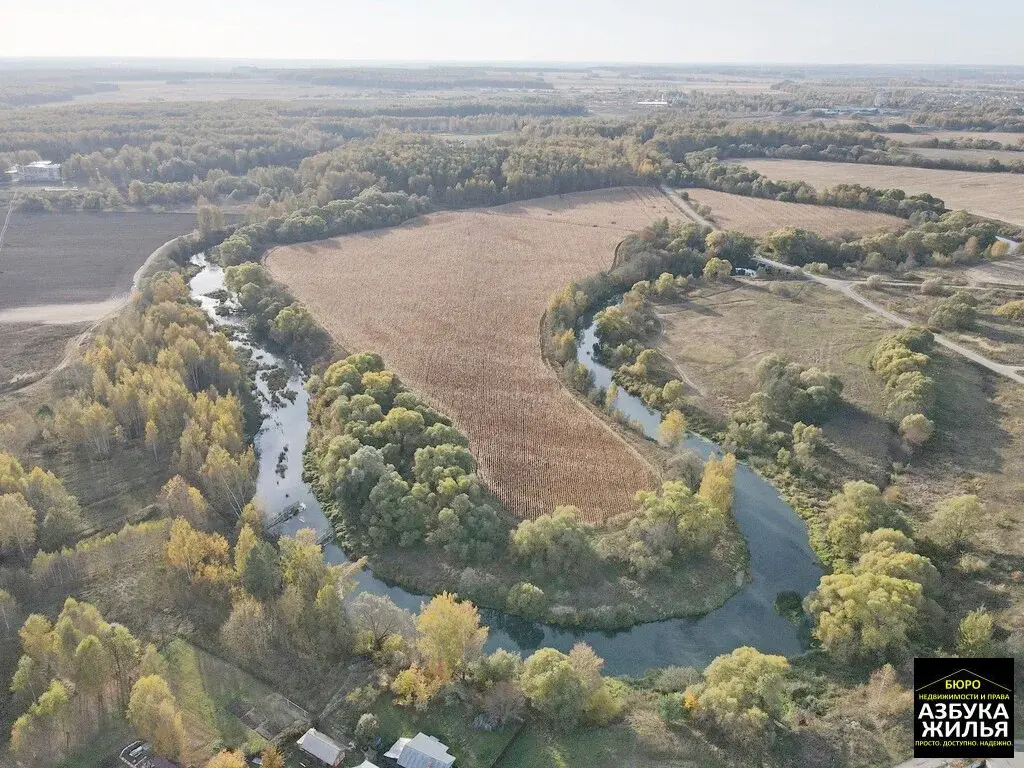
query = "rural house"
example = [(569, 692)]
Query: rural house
[(421, 751), (41, 170), (322, 747)]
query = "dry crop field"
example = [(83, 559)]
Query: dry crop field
[(52, 258), (993, 195), (1005, 156), (756, 216), (453, 302), (1003, 137)]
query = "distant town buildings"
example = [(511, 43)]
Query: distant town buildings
[(35, 173)]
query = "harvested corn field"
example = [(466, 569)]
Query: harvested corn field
[(756, 216), (993, 195), (453, 302)]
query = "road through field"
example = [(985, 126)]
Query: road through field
[(453, 300), (849, 289)]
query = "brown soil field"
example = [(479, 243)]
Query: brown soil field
[(28, 352), (51, 258), (453, 302), (993, 195), (756, 216)]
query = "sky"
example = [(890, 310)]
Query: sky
[(653, 31)]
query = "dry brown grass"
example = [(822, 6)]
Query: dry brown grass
[(978, 156), (453, 302), (993, 195), (720, 334), (756, 216), (1003, 137)]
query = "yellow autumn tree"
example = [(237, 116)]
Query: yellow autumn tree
[(716, 486), (672, 429), (450, 634)]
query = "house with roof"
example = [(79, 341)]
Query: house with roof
[(322, 747), (421, 751)]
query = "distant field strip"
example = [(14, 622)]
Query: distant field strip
[(453, 302), (756, 216), (993, 195)]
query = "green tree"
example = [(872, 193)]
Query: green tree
[(717, 269), (865, 614), (859, 509), (746, 684), (554, 688), (556, 544), (92, 667), (527, 600), (17, 522), (957, 522), (974, 637), (261, 574)]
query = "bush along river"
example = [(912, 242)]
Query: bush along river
[(781, 559)]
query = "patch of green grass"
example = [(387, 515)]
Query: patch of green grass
[(213, 694), (450, 724)]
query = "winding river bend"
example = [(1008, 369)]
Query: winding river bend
[(780, 555)]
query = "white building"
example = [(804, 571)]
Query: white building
[(421, 751), (39, 171), (322, 747)]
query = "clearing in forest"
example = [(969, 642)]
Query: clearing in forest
[(756, 216), (453, 302), (992, 195)]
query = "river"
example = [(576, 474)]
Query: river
[(780, 555)]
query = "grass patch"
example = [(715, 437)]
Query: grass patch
[(450, 724), (222, 705), (641, 739)]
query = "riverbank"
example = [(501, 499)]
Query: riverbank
[(746, 618)]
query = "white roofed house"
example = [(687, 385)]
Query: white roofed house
[(322, 747), (421, 751), (40, 170)]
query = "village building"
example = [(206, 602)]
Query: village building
[(421, 751), (34, 173), (322, 747)]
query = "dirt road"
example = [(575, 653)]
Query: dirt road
[(849, 289), (685, 207)]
